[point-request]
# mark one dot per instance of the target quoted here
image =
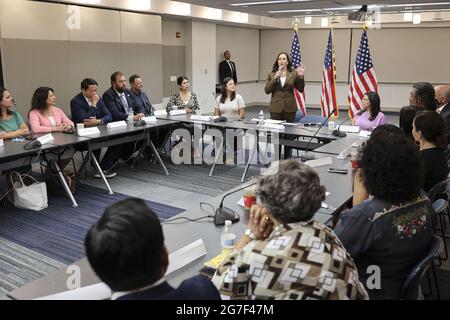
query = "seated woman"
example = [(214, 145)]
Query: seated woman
[(183, 99), (11, 122), (373, 117), (393, 228), (429, 132), (230, 104), (407, 115), (11, 126), (45, 116), (285, 253)]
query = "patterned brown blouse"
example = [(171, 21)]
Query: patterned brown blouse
[(298, 261), (177, 103)]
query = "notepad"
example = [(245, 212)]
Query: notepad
[(345, 153)]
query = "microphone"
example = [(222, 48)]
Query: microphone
[(339, 133), (223, 213), (309, 156), (278, 78)]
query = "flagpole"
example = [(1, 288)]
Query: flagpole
[(334, 66)]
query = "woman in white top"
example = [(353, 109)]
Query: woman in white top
[(230, 104)]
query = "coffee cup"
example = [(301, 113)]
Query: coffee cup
[(355, 159), (249, 197), (80, 126)]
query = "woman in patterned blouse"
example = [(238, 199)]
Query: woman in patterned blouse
[(183, 99), (285, 253)]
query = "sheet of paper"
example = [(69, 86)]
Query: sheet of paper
[(319, 162), (159, 113)]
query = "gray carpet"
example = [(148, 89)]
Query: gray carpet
[(19, 265)]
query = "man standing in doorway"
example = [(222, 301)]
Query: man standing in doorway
[(227, 68)]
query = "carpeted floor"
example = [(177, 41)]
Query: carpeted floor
[(58, 232)]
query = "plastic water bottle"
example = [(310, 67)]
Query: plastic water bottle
[(130, 115), (261, 118), (227, 238)]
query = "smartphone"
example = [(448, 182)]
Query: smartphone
[(338, 170)]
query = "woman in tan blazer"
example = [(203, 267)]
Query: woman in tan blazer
[(280, 83)]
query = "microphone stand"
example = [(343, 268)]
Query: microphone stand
[(309, 156), (339, 133), (223, 213)]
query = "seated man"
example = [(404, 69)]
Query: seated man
[(144, 106), (126, 250), (88, 108)]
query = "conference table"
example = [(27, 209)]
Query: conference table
[(64, 146), (180, 233), (261, 134)]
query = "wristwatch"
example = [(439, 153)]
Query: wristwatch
[(250, 234)]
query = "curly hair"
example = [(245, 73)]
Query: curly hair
[(291, 191), (390, 165)]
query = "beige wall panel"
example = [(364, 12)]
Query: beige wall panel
[(173, 65), (20, 19), (312, 45), (408, 55), (29, 64), (244, 47), (93, 60), (145, 60), (140, 28), (97, 25)]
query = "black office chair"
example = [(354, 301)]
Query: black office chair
[(411, 289), (438, 195)]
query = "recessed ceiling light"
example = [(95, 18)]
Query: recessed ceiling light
[(417, 18), (324, 22), (308, 20)]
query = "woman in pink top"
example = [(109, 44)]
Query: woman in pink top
[(372, 117), (44, 116)]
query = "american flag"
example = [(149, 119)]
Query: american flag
[(296, 61), (328, 101), (363, 76)]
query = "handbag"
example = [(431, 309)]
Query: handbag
[(31, 197)]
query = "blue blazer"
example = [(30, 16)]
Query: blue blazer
[(195, 288), (112, 101), (142, 103), (80, 110)]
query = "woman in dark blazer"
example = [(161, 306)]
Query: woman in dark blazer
[(281, 82)]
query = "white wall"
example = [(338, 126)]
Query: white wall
[(243, 43)]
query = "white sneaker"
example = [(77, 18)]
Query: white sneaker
[(107, 174)]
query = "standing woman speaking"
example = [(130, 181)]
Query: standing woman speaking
[(281, 82)]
